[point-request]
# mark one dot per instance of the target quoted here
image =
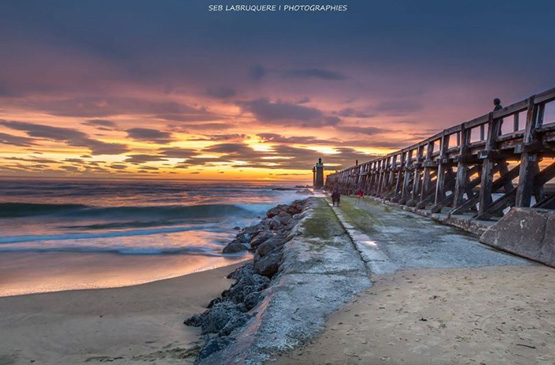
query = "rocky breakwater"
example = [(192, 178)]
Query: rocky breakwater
[(230, 312), (305, 267)]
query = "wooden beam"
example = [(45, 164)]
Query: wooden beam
[(462, 168), (528, 161), (497, 184), (440, 188), (487, 166), (497, 206)]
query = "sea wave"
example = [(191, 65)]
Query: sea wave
[(79, 236), (123, 250), (18, 210)]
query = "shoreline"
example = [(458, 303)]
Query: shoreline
[(127, 324), (96, 271)]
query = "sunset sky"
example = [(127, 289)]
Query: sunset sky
[(166, 89)]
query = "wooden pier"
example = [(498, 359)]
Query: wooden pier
[(499, 160)]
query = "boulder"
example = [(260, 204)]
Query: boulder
[(194, 321), (266, 247), (260, 239), (284, 218), (216, 318), (296, 207), (275, 223), (213, 345), (248, 283), (279, 239), (243, 237), (257, 228), (236, 274), (253, 299), (214, 301), (269, 264), (276, 210), (235, 246), (233, 323)]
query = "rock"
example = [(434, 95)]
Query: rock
[(212, 346), (216, 318), (269, 264), (253, 299), (296, 207), (276, 210), (214, 302), (243, 237), (235, 246), (252, 230), (279, 239), (266, 247), (248, 282), (260, 239), (264, 224), (237, 228), (275, 223), (233, 323), (284, 218), (194, 321), (236, 274)]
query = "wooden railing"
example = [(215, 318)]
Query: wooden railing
[(463, 168)]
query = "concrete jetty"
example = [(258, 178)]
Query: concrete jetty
[(470, 173)]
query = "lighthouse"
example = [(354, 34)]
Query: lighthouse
[(318, 174)]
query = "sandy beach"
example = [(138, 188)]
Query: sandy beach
[(142, 323), (489, 315)]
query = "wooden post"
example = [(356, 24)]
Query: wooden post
[(391, 179), (486, 182), (381, 174), (407, 178), (440, 187), (528, 159), (462, 168), (427, 171), (372, 179), (417, 179), (400, 175), (386, 175)]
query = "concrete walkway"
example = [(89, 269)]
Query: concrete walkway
[(390, 239)]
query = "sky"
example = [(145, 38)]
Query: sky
[(167, 89)]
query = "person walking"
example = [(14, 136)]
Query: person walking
[(360, 195), (335, 197)]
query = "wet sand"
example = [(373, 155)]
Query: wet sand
[(42, 272), (135, 324), (489, 315)]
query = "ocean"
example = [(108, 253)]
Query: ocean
[(67, 234)]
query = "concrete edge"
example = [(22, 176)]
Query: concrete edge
[(472, 226), (374, 257)]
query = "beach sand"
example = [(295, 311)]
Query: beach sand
[(489, 315), (135, 324)]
